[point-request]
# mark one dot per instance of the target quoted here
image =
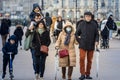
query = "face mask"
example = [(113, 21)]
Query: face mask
[(68, 29), (40, 31)]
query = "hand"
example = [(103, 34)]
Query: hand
[(96, 44), (56, 47)]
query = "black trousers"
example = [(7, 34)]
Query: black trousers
[(6, 60), (40, 64)]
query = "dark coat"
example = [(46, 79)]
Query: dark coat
[(78, 23), (48, 20), (5, 24), (19, 33), (111, 24), (32, 14), (44, 40), (87, 34), (10, 47)]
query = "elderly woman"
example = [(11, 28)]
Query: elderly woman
[(66, 40)]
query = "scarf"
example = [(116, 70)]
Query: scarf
[(67, 39), (40, 31)]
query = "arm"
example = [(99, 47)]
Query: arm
[(78, 33)]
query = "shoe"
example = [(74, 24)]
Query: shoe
[(88, 77), (41, 78), (12, 76), (3, 76), (37, 77), (82, 77)]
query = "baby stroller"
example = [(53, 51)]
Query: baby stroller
[(104, 40)]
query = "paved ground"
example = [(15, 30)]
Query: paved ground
[(108, 69)]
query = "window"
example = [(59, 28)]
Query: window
[(78, 3), (85, 3), (63, 4), (71, 3)]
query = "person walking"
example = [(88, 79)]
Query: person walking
[(31, 31), (48, 21), (111, 25), (41, 37), (88, 37), (4, 29), (66, 41), (19, 33), (58, 26)]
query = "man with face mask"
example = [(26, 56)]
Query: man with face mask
[(88, 37)]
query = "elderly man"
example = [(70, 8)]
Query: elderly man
[(87, 35)]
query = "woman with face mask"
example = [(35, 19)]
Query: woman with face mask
[(66, 40)]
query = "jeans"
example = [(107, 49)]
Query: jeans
[(33, 59), (110, 34), (40, 64)]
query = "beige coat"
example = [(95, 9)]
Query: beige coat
[(71, 59)]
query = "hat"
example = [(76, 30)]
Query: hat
[(13, 37), (88, 13), (35, 5)]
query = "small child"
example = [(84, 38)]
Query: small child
[(36, 9), (19, 33), (10, 46)]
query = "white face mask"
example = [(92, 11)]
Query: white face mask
[(68, 29)]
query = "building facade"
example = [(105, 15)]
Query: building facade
[(66, 8)]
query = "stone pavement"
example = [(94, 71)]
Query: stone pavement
[(108, 65)]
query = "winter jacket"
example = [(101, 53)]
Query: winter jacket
[(48, 20), (32, 14), (111, 24), (71, 59), (44, 40), (5, 24), (8, 47), (87, 34), (19, 33)]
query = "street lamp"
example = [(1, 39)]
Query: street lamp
[(75, 8)]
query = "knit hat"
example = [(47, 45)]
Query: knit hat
[(35, 5)]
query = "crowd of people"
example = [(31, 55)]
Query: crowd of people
[(86, 34)]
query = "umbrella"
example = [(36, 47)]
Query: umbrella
[(97, 63), (56, 64)]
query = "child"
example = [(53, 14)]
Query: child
[(36, 9), (19, 33), (10, 46)]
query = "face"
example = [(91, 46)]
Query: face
[(88, 18), (37, 18), (68, 29), (36, 9), (12, 41), (41, 26), (59, 18)]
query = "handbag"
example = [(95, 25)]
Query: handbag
[(44, 49), (63, 53), (27, 42)]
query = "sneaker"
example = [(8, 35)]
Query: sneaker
[(88, 77), (37, 77), (41, 78), (82, 77)]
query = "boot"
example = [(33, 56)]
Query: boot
[(70, 70), (63, 72)]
